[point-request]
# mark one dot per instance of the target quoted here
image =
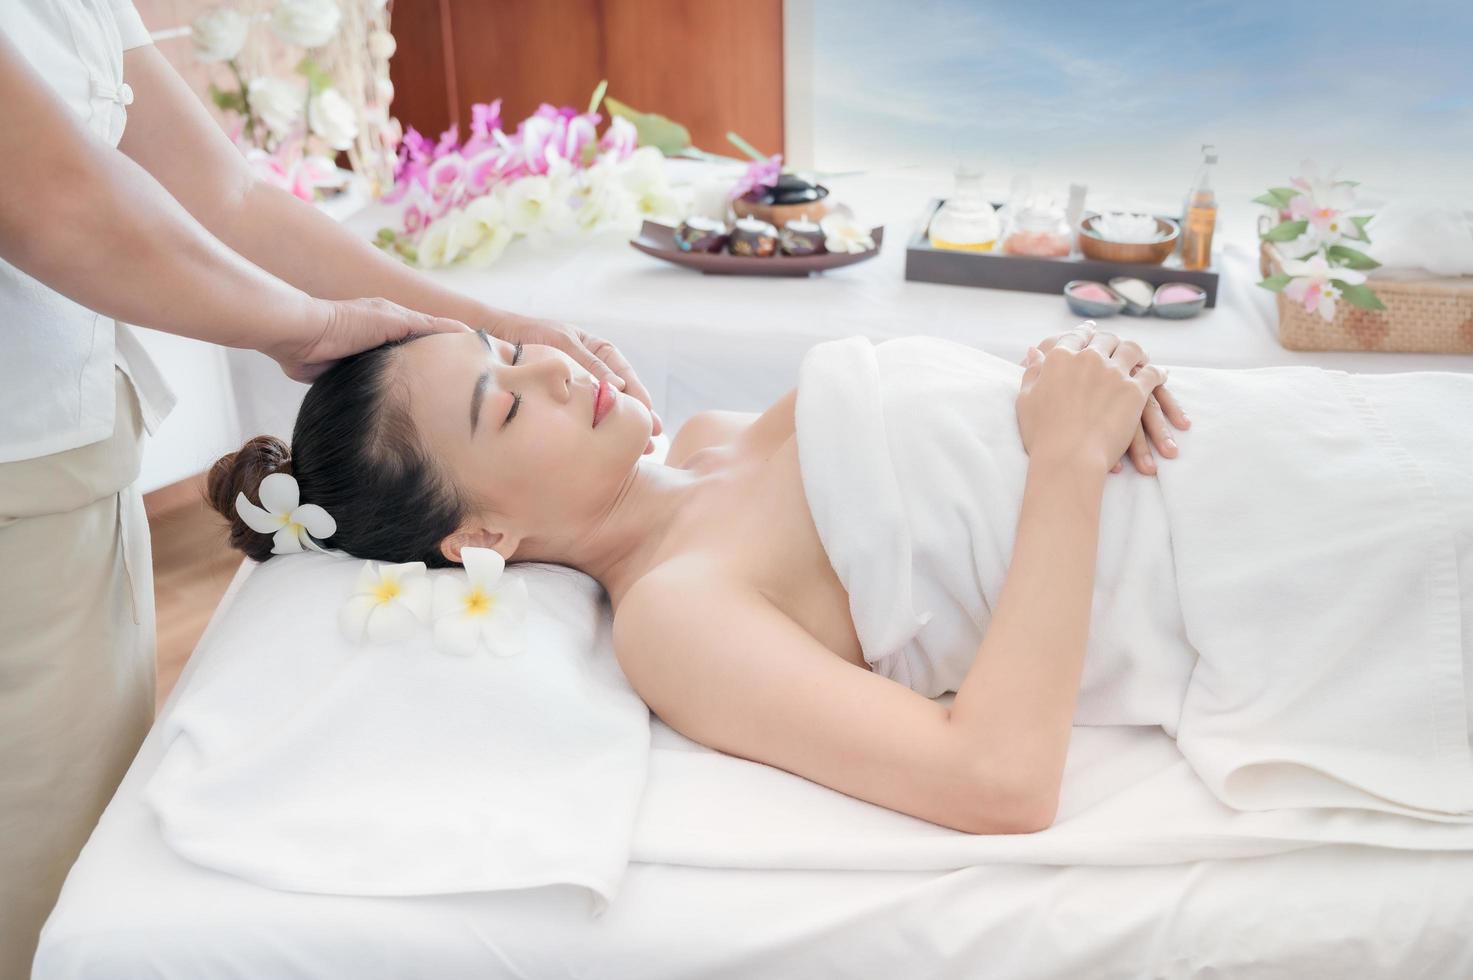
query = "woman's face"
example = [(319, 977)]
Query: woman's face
[(519, 438)]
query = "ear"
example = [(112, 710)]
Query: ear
[(503, 542)]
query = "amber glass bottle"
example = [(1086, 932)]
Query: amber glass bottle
[(1199, 216)]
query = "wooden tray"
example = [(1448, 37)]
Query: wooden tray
[(659, 240), (1032, 274)]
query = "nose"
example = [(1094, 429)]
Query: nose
[(549, 373)]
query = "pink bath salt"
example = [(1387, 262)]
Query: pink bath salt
[(1094, 291), (1179, 294)]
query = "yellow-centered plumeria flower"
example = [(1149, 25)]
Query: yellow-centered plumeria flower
[(844, 234), (291, 523), (387, 602), (482, 610)]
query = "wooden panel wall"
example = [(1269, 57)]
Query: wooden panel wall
[(712, 65)]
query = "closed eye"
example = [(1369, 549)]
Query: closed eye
[(516, 401)]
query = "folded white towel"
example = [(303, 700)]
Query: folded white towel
[(1420, 239), (1283, 599), (301, 761)]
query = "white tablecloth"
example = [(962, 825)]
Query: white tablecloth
[(734, 342)]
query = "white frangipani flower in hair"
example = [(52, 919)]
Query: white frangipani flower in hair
[(292, 523), (387, 602), (482, 610)]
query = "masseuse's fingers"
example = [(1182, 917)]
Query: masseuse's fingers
[(608, 354)]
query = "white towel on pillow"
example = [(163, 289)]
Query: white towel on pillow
[(301, 761)]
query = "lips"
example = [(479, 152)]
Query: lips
[(603, 401)]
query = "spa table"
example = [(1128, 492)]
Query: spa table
[(735, 342)]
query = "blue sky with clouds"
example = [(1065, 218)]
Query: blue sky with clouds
[(1122, 94)]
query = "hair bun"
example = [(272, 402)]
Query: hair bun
[(242, 472)]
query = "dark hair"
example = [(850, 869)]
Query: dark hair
[(356, 454)]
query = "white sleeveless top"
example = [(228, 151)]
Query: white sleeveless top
[(56, 370)]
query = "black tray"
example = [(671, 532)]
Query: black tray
[(997, 270)]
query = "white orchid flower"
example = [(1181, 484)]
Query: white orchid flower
[(387, 602), (482, 610), (292, 523), (842, 234)]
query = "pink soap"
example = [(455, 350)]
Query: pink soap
[(1093, 291), (1179, 294)]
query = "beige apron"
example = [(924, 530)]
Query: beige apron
[(76, 660)]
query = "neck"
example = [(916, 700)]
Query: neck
[(623, 542)]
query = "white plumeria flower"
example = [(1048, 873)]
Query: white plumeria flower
[(842, 234), (292, 523), (387, 602), (482, 610)]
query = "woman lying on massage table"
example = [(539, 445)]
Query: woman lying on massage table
[(866, 520)]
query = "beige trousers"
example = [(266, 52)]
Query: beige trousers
[(76, 661)]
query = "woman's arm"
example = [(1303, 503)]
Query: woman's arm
[(722, 665), (1019, 695)]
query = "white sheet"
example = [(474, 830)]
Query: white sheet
[(133, 908)]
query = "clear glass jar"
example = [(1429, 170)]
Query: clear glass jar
[(1039, 230), (967, 221)]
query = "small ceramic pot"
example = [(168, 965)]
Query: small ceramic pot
[(698, 234), (1145, 253), (801, 237), (753, 238), (1137, 294), (1092, 306), (1178, 300)]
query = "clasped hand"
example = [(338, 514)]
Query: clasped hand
[(1161, 406)]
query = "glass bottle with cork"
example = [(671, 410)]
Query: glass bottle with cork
[(1200, 215)]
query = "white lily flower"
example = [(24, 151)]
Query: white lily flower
[(292, 524), (842, 234), (483, 610), (387, 602)]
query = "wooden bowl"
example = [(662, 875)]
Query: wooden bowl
[(780, 214), (1141, 253)]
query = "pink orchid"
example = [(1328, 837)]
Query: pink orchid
[(418, 209), (761, 173), (484, 170), (485, 121), (577, 132), (445, 177), (620, 139), (449, 141), (1310, 284)]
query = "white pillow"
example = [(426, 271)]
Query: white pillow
[(302, 761)]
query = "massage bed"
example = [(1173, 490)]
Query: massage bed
[(132, 907)]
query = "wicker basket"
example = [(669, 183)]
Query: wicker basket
[(1433, 316)]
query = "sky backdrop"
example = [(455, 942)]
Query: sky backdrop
[(1121, 95)]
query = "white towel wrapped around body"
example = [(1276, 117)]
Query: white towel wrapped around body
[(1283, 598)]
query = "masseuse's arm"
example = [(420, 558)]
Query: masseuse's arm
[(171, 135), (94, 226)]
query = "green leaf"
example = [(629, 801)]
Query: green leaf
[(653, 128), (1275, 283), (745, 147), (228, 101), (1277, 197), (1359, 296), (1351, 258), (318, 80), (386, 235), (1361, 220), (1285, 231), (598, 95)]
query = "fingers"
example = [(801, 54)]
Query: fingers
[(1078, 338), (1154, 423), (1140, 452), (1172, 408), (622, 369), (1150, 377)]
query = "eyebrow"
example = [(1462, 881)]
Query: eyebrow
[(478, 393)]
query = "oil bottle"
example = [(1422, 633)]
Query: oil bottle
[(1200, 215)]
